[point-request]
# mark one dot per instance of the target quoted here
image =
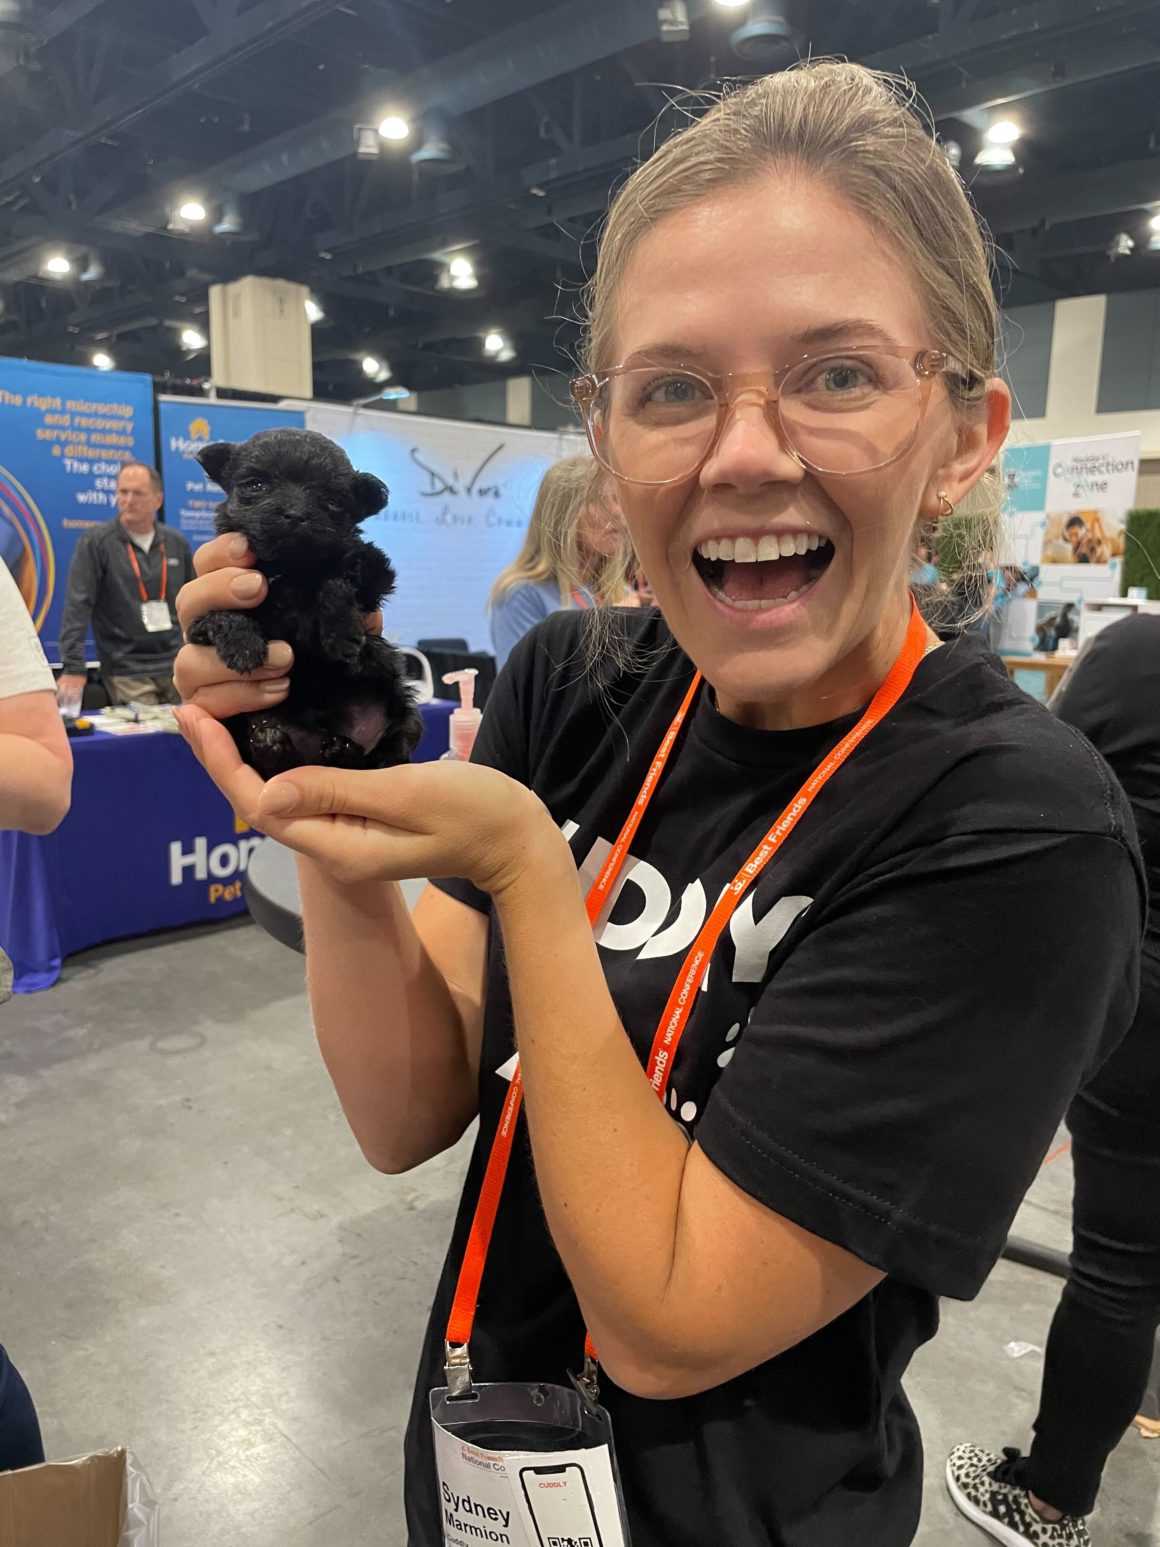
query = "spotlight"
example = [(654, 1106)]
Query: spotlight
[(732, 5), (1121, 246), (953, 151), (103, 362), (367, 144), (374, 368), (192, 210), (1155, 222), (995, 158), (193, 338), (394, 127), (493, 343), (57, 265), (461, 268), (314, 312), (1003, 132)]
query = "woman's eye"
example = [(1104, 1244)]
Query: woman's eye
[(673, 392), (846, 377)]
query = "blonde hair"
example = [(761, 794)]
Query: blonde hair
[(552, 550), (856, 132)]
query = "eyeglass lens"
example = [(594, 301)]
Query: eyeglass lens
[(843, 413)]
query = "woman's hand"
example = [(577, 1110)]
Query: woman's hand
[(424, 820), (226, 579)]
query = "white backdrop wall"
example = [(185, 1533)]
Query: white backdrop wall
[(461, 495)]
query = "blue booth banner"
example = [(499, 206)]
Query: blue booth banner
[(64, 432), (188, 424)]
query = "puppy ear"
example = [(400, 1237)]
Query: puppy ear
[(369, 494), (217, 460)]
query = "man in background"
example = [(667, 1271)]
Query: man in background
[(123, 580)]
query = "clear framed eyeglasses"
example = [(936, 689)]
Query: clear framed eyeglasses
[(838, 414)]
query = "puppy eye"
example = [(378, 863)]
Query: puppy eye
[(253, 486)]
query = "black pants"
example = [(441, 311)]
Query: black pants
[(1099, 1352), (19, 1431)]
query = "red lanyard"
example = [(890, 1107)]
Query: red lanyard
[(680, 1003), (137, 571), (580, 599)]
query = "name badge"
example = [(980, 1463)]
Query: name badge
[(155, 617)]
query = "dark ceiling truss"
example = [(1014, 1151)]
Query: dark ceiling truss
[(548, 104)]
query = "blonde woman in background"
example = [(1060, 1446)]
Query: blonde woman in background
[(575, 554)]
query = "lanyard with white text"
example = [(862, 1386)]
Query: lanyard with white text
[(137, 571), (680, 1002)]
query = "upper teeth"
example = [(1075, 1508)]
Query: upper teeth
[(743, 550)]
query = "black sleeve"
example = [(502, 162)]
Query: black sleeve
[(502, 743), (900, 1080), (80, 599)]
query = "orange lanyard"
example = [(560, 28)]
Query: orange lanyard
[(580, 599), (680, 1003), (137, 571)]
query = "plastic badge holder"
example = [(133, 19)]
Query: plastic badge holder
[(526, 1466)]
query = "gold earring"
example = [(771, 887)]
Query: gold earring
[(945, 508)]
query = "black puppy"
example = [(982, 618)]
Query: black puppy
[(297, 500)]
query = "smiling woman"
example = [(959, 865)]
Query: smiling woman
[(869, 833)]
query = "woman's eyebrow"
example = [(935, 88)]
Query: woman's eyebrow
[(666, 354), (850, 327)]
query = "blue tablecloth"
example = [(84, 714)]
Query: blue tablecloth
[(149, 844)]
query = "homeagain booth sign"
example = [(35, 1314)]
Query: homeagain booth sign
[(64, 432), (460, 498), (188, 424), (1067, 502)]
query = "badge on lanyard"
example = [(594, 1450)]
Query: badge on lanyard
[(155, 614), (534, 1465)]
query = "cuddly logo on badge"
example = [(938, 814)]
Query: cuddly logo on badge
[(26, 546)]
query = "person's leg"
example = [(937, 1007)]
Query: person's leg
[(131, 690), (1099, 1351), (20, 1442), (165, 689)]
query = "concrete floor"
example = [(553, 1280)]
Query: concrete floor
[(197, 1262)]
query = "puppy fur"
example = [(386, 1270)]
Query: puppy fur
[(298, 502)]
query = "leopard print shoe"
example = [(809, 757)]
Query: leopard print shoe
[(983, 1488)]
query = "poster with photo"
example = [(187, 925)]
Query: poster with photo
[(1086, 487)]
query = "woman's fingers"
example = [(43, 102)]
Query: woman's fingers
[(230, 551), (215, 751), (220, 589), (306, 792), (374, 621), (202, 680)]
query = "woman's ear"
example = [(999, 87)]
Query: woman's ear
[(370, 494), (981, 433), (217, 460)]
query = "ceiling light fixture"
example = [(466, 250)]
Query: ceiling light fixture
[(314, 312), (192, 210), (995, 158), (1121, 246), (732, 5), (461, 268), (366, 142), (394, 394), (58, 265), (193, 338), (1155, 222), (1003, 132), (374, 368), (395, 127), (103, 362), (494, 342)]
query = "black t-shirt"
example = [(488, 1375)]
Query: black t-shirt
[(891, 1030)]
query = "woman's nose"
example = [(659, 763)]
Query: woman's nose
[(751, 450)]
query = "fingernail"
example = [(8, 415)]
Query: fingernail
[(278, 799), (280, 656), (246, 585), (276, 688), (238, 546)]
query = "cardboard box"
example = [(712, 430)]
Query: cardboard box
[(100, 1500)]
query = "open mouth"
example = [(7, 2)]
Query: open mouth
[(771, 572)]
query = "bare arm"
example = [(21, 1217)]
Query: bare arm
[(35, 763), (397, 1004)]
